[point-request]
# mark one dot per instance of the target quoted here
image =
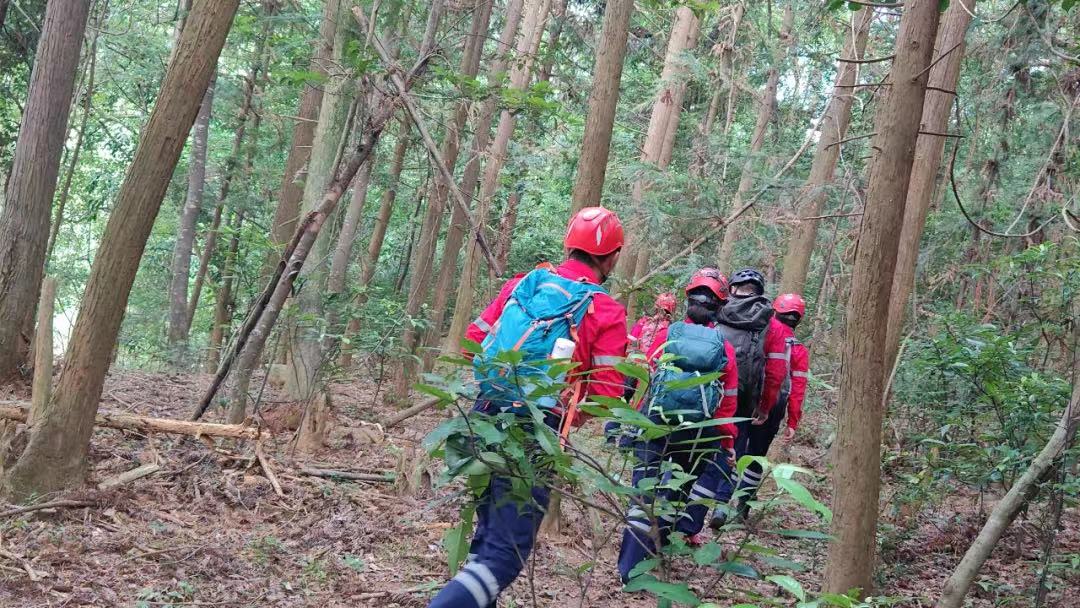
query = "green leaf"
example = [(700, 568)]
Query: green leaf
[(645, 565), (434, 391), (634, 371), (803, 497), (708, 553), (680, 385), (738, 568), (806, 534), (676, 592), (783, 564), (456, 539), (788, 584), (436, 437)]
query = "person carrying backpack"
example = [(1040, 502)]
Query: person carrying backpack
[(696, 349), (762, 348), (560, 313)]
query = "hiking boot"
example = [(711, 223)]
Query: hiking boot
[(718, 521)]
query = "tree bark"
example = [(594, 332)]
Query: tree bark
[(13, 410), (558, 11), (766, 111), (73, 162), (507, 224), (225, 299), (378, 235), (603, 101), (725, 83), (664, 118), (833, 128), (27, 209), (307, 114), (857, 474), (1020, 494), (55, 457), (924, 171), (43, 352), (189, 216), (532, 27)]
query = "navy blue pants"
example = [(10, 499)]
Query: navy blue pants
[(504, 538), (753, 440), (696, 452)]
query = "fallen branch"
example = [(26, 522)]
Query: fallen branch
[(407, 413), (350, 475), (52, 504), (131, 422), (129, 476), (265, 464)]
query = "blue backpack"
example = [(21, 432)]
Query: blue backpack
[(542, 308), (699, 351)]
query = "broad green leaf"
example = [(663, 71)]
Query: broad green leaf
[(708, 553), (676, 592), (634, 371), (738, 568), (806, 534), (803, 497), (645, 565), (679, 385), (456, 539), (788, 584)]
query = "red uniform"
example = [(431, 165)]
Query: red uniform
[(729, 402), (777, 355), (800, 368), (601, 339), (644, 333)]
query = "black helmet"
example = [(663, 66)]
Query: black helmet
[(749, 275)]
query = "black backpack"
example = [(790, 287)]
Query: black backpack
[(744, 322)]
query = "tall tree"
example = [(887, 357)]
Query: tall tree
[(189, 216), (833, 128), (766, 110), (292, 184), (603, 100), (24, 221), (857, 453), (532, 27), (55, 455), (664, 118), (940, 97)]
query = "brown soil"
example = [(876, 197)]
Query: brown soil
[(209, 530)]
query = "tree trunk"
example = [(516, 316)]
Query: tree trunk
[(664, 118), (470, 65), (1021, 492), (307, 114), (603, 100), (27, 209), (529, 40), (189, 216), (225, 299), (559, 13), (507, 224), (766, 111), (73, 162), (378, 235), (725, 83), (833, 128), (924, 172), (55, 457), (857, 474)]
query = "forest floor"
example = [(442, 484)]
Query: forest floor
[(209, 529)]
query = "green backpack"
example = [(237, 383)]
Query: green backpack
[(674, 394)]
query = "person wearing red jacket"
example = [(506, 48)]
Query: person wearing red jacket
[(763, 346), (693, 450), (505, 529)]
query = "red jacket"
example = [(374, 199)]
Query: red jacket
[(777, 355), (601, 339), (730, 400), (800, 368), (643, 334)]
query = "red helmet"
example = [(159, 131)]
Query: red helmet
[(717, 276), (700, 280), (790, 302), (666, 301), (594, 230)]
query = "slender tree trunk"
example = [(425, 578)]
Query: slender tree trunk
[(924, 172), (603, 101), (73, 162), (558, 12), (528, 41), (307, 114), (664, 119), (507, 224), (24, 220), (378, 234), (225, 299), (857, 452), (343, 248), (189, 216), (55, 457), (725, 83), (833, 128), (766, 112)]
